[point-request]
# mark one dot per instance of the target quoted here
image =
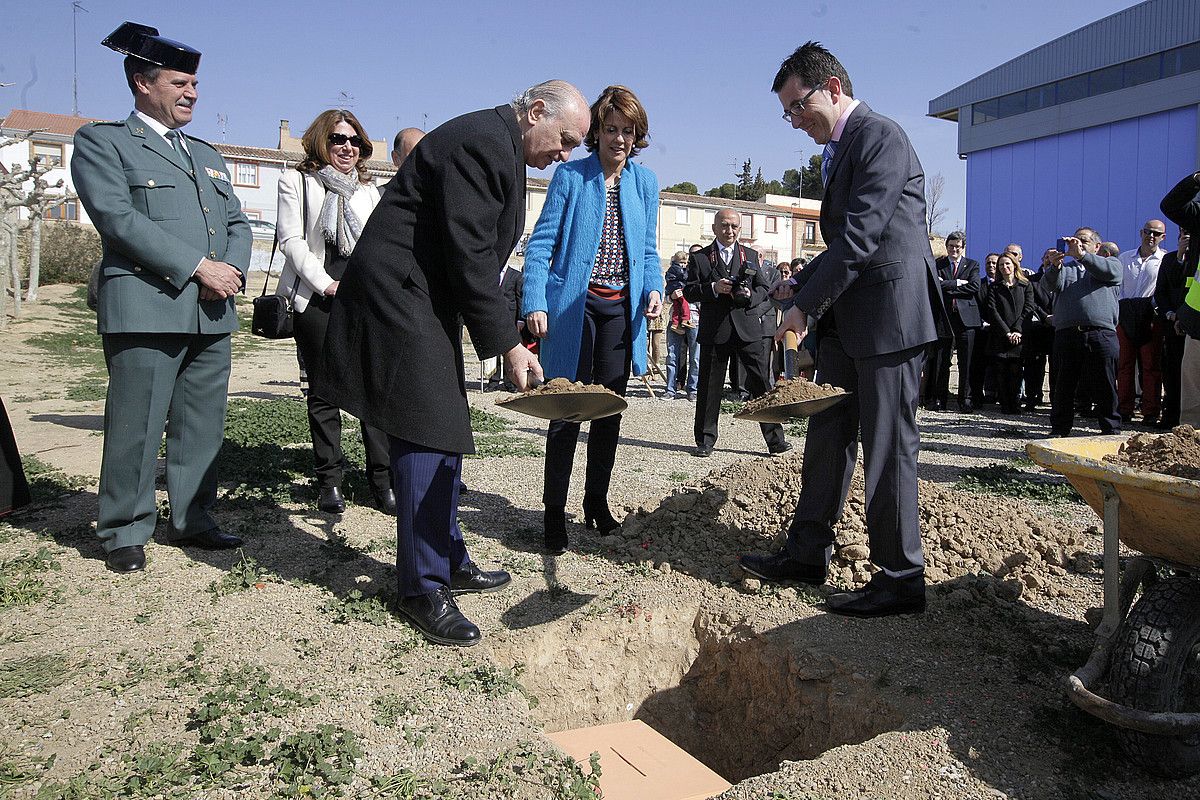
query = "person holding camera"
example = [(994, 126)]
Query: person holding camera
[(738, 323), (593, 280)]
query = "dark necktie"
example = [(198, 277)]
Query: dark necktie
[(174, 138), (827, 160)]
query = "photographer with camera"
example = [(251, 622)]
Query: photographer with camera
[(738, 322)]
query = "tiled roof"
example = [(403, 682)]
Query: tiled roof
[(722, 202), (275, 154), (63, 124)]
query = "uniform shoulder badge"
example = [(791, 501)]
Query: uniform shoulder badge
[(217, 174)]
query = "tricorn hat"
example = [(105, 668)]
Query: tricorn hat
[(142, 41)]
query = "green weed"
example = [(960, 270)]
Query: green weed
[(389, 708), (529, 764), (48, 483), (247, 573), (20, 578), (1009, 481), (357, 607), (316, 763), (488, 680), (22, 677)]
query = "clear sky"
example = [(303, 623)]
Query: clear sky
[(703, 69)]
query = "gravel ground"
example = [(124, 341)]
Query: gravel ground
[(654, 621)]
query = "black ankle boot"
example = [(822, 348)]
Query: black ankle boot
[(596, 515), (555, 524)]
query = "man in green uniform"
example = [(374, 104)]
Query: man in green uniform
[(176, 249)]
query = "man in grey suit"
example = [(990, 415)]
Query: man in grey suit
[(878, 303), (176, 249)]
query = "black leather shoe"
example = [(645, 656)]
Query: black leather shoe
[(880, 598), (702, 451), (470, 578), (596, 515), (386, 501), (212, 539), (126, 559), (779, 450), (554, 524), (438, 619), (782, 567), (330, 500)]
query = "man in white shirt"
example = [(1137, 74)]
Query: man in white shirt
[(1140, 332)]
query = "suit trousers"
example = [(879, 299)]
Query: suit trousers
[(1086, 358), (324, 418), (1145, 358), (938, 367), (429, 542), (755, 361), (882, 412), (174, 380), (1172, 364), (1036, 348), (1189, 384), (605, 357)]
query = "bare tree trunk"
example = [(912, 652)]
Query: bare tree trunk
[(35, 258), (4, 234), (13, 265)]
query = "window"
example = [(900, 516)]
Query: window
[(1072, 88), (1106, 80), (1143, 70), (771, 225), (245, 173), (1039, 97), (810, 232), (1011, 104), (984, 111), (747, 225), (681, 215), (67, 211), (51, 154), (710, 216)]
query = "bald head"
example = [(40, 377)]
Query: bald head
[(404, 143), (727, 224), (554, 119)]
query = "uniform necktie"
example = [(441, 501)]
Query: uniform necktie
[(827, 160), (175, 140)]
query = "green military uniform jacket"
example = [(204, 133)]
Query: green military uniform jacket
[(156, 222)]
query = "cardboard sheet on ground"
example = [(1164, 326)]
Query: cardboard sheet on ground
[(639, 763)]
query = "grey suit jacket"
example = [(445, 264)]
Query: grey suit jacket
[(156, 221), (876, 282)]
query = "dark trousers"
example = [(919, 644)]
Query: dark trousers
[(325, 419), (882, 411), (755, 361), (429, 543), (978, 383), (937, 367), (1036, 349), (1172, 364), (605, 358), (1087, 358), (1008, 371)]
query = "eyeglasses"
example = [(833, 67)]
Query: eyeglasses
[(1149, 232), (797, 108), (339, 139)]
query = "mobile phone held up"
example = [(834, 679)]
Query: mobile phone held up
[(1060, 245)]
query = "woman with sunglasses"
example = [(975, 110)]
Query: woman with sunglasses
[(323, 205), (592, 268)]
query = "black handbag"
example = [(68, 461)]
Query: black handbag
[(273, 316)]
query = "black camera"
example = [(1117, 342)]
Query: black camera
[(740, 294)]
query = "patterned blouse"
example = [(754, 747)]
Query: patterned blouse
[(611, 267)]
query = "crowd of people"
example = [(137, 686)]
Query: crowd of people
[(381, 285)]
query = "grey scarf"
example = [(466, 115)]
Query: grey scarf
[(339, 224)]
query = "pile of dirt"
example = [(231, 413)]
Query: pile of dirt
[(702, 528), (787, 392), (564, 386), (1176, 453)]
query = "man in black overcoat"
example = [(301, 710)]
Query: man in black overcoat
[(429, 261)]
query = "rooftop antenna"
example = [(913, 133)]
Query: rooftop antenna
[(424, 121), (76, 7), (345, 100), (221, 120)]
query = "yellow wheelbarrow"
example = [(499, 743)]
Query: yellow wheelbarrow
[(1147, 653)]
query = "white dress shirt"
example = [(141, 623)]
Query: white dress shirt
[(1140, 274)]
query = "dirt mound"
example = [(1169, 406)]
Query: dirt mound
[(787, 392), (703, 528), (1176, 453)]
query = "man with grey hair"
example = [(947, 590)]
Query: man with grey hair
[(428, 261), (1085, 331), (959, 277)]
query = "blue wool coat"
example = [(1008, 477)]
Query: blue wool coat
[(562, 250)]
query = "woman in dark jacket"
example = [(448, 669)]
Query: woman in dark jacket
[(1009, 306)]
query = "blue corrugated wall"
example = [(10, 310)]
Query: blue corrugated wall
[(1110, 177)]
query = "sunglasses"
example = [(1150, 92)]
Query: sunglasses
[(339, 139), (1149, 232)]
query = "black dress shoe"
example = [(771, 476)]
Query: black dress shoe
[(438, 619), (126, 559), (554, 524), (596, 515), (702, 451), (330, 500), (880, 598), (386, 501), (779, 449), (782, 567), (212, 539), (470, 578)]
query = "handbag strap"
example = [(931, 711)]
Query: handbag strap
[(275, 242)]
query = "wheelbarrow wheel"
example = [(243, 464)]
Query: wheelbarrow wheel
[(1156, 667)]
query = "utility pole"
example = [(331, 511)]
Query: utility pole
[(221, 120), (76, 7)]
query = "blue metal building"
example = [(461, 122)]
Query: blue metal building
[(1090, 129)]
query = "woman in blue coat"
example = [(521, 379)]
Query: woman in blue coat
[(592, 279)]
